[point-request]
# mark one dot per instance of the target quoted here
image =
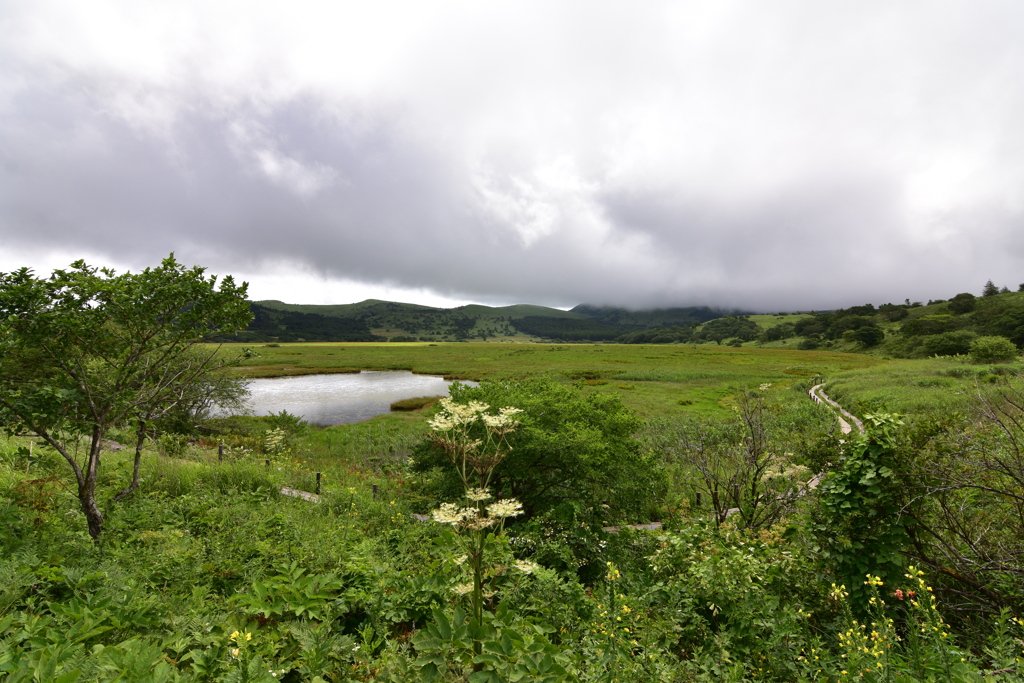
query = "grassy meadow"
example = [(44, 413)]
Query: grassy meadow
[(210, 573), (656, 380)]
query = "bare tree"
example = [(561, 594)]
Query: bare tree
[(969, 511), (737, 466)]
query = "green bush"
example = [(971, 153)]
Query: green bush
[(992, 350), (946, 344), (570, 447), (858, 523)]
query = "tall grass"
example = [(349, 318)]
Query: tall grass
[(916, 386)]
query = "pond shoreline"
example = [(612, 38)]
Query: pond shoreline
[(327, 399), (270, 373)]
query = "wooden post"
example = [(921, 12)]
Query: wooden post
[(268, 463), (375, 492), (698, 498), (220, 452), (318, 483)]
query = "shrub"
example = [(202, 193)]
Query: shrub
[(992, 350), (947, 344), (570, 447), (858, 523)]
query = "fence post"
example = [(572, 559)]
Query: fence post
[(220, 452), (318, 483), (375, 492), (698, 498), (267, 462)]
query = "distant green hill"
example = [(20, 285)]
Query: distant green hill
[(906, 330), (413, 322)]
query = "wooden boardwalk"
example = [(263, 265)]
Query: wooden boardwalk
[(818, 395)]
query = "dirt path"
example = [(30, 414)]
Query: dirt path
[(818, 395)]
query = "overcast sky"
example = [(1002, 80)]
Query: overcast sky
[(765, 155)]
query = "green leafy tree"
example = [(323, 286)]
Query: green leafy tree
[(86, 350), (777, 332), (807, 327), (965, 302), (893, 312), (869, 335), (720, 329)]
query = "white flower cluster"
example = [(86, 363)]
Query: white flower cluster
[(505, 508), (470, 517), (458, 415), (504, 420), (450, 513), (477, 495), (526, 566)]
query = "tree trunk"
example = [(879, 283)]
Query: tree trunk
[(87, 486), (140, 434), (87, 497)]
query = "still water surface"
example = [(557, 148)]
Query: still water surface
[(340, 398)]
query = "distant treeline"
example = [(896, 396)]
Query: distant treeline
[(739, 327), (270, 325), (566, 329)]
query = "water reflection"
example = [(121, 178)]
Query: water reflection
[(340, 398)]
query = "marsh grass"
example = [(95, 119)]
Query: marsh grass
[(917, 386), (658, 374), (410, 404)]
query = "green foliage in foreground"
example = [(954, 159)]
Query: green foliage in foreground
[(86, 350), (208, 573)]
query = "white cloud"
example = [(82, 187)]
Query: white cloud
[(665, 152)]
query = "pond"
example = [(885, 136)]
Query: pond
[(340, 398)]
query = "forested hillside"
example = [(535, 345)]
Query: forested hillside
[(410, 322), (957, 326), (908, 330), (269, 325), (912, 329)]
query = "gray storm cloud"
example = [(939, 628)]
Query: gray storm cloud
[(729, 154)]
